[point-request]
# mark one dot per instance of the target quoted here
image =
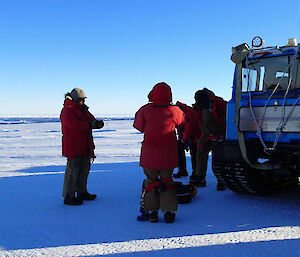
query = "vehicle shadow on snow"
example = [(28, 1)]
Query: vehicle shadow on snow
[(33, 214)]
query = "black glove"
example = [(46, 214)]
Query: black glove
[(92, 158), (187, 145), (97, 124)]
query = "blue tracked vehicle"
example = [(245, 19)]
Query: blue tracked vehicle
[(261, 149)]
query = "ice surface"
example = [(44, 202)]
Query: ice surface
[(34, 221)]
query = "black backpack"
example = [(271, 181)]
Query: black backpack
[(184, 193)]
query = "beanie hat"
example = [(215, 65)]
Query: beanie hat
[(76, 94)]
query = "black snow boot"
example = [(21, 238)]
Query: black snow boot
[(169, 217), (86, 196), (153, 216), (180, 174), (72, 201)]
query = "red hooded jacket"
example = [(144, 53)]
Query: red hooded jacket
[(157, 120), (191, 124), (77, 137)]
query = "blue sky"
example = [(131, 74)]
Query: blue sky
[(116, 50)]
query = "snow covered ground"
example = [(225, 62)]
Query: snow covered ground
[(35, 222)]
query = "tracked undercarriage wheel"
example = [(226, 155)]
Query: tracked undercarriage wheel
[(230, 169), (241, 178), (229, 176), (260, 182), (265, 182)]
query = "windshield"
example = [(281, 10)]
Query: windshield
[(263, 74)]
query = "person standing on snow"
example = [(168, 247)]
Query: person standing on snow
[(187, 140), (158, 120), (78, 146), (211, 111)]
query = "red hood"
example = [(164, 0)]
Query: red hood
[(161, 94)]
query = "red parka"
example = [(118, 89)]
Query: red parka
[(77, 137), (191, 124), (157, 120)]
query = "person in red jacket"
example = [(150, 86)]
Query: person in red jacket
[(78, 146), (158, 120), (187, 140), (211, 111)]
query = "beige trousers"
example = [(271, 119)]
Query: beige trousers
[(76, 175), (154, 200), (210, 127)]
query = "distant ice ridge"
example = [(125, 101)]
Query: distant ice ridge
[(27, 119), (36, 142)]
